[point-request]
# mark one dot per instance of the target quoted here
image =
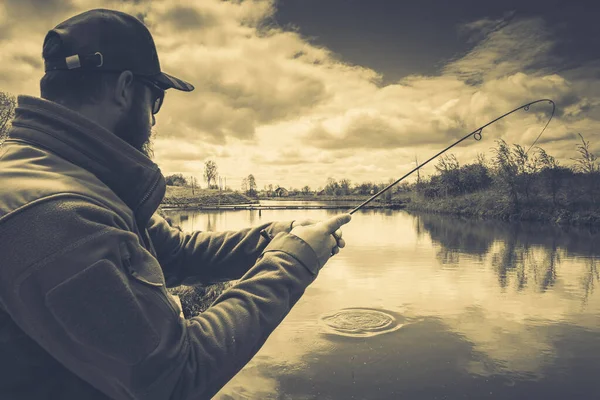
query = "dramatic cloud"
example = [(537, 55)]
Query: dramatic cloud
[(271, 103)]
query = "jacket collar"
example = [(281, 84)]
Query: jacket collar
[(127, 172)]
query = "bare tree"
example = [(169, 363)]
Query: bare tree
[(194, 183), (251, 185), (447, 163), (210, 172)]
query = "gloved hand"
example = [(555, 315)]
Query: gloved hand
[(325, 237)]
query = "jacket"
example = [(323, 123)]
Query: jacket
[(85, 261)]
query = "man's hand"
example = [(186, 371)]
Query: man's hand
[(325, 237), (337, 234)]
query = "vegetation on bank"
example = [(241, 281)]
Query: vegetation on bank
[(185, 196), (514, 185)]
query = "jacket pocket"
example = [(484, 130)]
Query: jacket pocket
[(143, 269), (150, 275)]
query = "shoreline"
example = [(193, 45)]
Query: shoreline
[(255, 206), (487, 205)]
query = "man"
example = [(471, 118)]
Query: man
[(84, 258)]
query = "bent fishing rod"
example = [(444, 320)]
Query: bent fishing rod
[(477, 135)]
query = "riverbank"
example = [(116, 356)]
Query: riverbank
[(484, 204), (204, 199), (490, 204), (326, 198), (183, 197)]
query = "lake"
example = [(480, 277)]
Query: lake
[(483, 310)]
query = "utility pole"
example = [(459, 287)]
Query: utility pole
[(192, 180)]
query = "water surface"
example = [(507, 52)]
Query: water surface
[(489, 310)]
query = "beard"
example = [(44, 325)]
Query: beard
[(135, 129)]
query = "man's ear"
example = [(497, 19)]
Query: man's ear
[(124, 91)]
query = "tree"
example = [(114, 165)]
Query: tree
[(527, 167), (306, 190), (251, 185), (473, 177), (387, 195), (506, 169), (332, 187), (364, 188), (7, 113), (449, 180), (481, 160), (587, 162), (210, 172), (345, 186), (193, 184), (245, 185), (447, 163), (552, 173), (176, 180)]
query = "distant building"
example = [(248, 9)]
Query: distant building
[(281, 192)]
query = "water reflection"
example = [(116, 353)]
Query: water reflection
[(507, 309), (591, 277), (521, 254)]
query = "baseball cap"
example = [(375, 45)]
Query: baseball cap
[(107, 40)]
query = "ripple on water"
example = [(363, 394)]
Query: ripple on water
[(359, 322)]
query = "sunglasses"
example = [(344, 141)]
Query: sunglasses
[(158, 94)]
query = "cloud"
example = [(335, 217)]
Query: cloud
[(245, 74), (477, 30), (510, 66), (519, 46), (188, 18), (284, 107)]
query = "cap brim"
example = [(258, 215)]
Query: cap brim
[(166, 81)]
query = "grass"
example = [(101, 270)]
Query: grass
[(180, 196), (312, 197), (195, 299)]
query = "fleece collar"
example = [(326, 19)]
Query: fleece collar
[(130, 174)]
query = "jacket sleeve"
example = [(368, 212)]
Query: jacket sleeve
[(208, 257), (98, 305)]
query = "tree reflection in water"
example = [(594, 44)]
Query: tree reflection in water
[(521, 254), (590, 278)]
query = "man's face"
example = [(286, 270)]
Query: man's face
[(136, 126)]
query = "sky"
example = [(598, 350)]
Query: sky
[(297, 91)]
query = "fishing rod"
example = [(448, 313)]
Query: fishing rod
[(476, 135)]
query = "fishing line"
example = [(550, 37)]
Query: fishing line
[(477, 135)]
